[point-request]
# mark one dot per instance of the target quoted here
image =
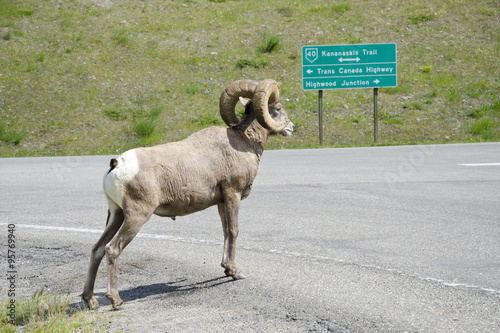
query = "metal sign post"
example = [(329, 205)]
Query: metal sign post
[(375, 115), (349, 67), (320, 115)]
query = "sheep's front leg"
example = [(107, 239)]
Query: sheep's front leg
[(228, 212), (222, 215)]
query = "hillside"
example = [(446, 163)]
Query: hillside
[(80, 77)]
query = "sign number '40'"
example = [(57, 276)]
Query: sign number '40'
[(311, 54)]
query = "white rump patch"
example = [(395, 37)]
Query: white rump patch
[(114, 182)]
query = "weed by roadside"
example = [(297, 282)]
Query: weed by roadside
[(485, 122), (12, 135), (421, 18), (45, 313), (255, 63), (272, 43)]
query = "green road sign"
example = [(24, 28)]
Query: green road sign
[(349, 66)]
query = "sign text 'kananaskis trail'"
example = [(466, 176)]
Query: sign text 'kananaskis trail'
[(349, 66)]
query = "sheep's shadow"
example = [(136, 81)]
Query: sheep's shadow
[(178, 287), (175, 288)]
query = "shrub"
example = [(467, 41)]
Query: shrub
[(425, 69), (421, 18), (192, 89), (414, 105), (207, 119), (341, 7), (144, 127), (155, 112), (12, 135), (271, 43), (484, 127), (115, 114), (122, 37), (255, 63)]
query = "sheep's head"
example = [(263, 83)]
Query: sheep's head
[(265, 97)]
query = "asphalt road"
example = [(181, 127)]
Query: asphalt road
[(385, 239)]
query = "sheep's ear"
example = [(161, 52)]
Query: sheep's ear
[(244, 101)]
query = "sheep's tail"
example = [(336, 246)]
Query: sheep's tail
[(112, 164)]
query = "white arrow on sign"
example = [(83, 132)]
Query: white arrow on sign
[(309, 71), (348, 59), (376, 81)]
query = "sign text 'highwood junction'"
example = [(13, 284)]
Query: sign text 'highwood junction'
[(349, 66)]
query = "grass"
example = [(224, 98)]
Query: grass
[(484, 128), (341, 7), (207, 119), (144, 127), (421, 18), (272, 43), (84, 77), (255, 63), (44, 313), (10, 135)]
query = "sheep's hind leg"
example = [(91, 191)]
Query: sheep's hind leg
[(115, 221), (130, 228)]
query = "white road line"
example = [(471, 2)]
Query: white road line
[(139, 235), (272, 251), (479, 164)]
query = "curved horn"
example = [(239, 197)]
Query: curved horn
[(267, 92), (230, 97)]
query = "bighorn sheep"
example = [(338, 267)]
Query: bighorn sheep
[(215, 166)]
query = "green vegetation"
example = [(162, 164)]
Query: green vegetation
[(341, 7), (11, 135), (271, 43), (421, 18), (485, 128), (255, 63), (44, 313), (100, 77)]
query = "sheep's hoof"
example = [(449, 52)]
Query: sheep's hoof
[(116, 301), (240, 276), (92, 303), (231, 271)]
